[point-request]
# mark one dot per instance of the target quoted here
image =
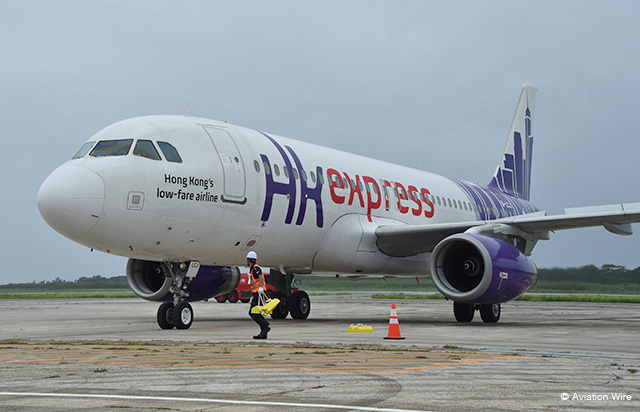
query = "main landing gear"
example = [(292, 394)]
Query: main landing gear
[(464, 312), (295, 303), (179, 313)]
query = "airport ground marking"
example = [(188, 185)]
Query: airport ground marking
[(283, 358), (205, 400)]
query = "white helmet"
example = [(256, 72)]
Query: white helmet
[(252, 255)]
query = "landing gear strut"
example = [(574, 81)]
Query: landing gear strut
[(296, 303), (179, 313), (464, 312)]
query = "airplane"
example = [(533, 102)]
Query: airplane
[(186, 198)]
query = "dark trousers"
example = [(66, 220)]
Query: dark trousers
[(257, 317)]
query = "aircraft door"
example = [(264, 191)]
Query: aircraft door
[(232, 165)]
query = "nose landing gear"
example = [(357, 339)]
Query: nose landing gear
[(179, 313)]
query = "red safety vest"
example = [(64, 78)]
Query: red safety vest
[(256, 284)]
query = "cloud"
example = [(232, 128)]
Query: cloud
[(429, 84)]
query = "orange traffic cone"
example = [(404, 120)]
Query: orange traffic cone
[(394, 326)]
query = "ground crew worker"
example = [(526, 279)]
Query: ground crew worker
[(258, 285)]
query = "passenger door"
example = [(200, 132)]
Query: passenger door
[(232, 165)]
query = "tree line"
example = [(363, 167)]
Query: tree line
[(607, 278)]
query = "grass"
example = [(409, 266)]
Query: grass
[(67, 295), (530, 298), (406, 296), (581, 298), (527, 297)]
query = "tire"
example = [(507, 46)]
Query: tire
[(490, 313), (282, 310), (221, 298), (299, 305), (233, 297), (165, 315), (463, 311), (183, 315)]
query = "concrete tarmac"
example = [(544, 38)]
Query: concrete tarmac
[(101, 354)]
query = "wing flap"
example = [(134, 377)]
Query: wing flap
[(407, 240), (574, 218)]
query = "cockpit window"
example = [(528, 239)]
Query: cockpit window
[(83, 150), (146, 149), (170, 152), (112, 148)]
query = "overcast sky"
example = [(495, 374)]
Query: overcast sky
[(419, 83)]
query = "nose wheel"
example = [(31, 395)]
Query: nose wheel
[(165, 315), (178, 316), (179, 313)]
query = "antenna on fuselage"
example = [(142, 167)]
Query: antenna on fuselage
[(186, 110)]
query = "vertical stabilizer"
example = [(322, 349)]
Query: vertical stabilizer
[(513, 174)]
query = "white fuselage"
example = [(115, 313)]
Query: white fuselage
[(302, 207)]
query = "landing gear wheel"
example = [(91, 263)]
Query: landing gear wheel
[(183, 315), (233, 297), (463, 311), (490, 313), (299, 305), (282, 310), (165, 315)]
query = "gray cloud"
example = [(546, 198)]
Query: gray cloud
[(431, 84)]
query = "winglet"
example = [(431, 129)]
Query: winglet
[(513, 174)]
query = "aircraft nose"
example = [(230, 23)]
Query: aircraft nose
[(71, 199)]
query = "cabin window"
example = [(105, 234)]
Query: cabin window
[(267, 169), (170, 152), (295, 173), (286, 171), (321, 178), (276, 169), (145, 148), (256, 165), (303, 174), (112, 148), (83, 150), (313, 176), (384, 189)]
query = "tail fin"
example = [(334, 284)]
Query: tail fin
[(513, 174)]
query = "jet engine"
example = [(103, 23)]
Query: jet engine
[(152, 280), (471, 268)]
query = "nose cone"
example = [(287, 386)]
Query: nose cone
[(71, 199)]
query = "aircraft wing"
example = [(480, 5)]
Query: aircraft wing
[(410, 240)]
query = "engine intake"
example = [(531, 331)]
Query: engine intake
[(472, 268), (148, 280)]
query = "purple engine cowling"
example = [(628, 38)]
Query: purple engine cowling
[(470, 268), (148, 280)]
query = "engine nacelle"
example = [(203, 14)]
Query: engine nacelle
[(148, 280), (472, 268)]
